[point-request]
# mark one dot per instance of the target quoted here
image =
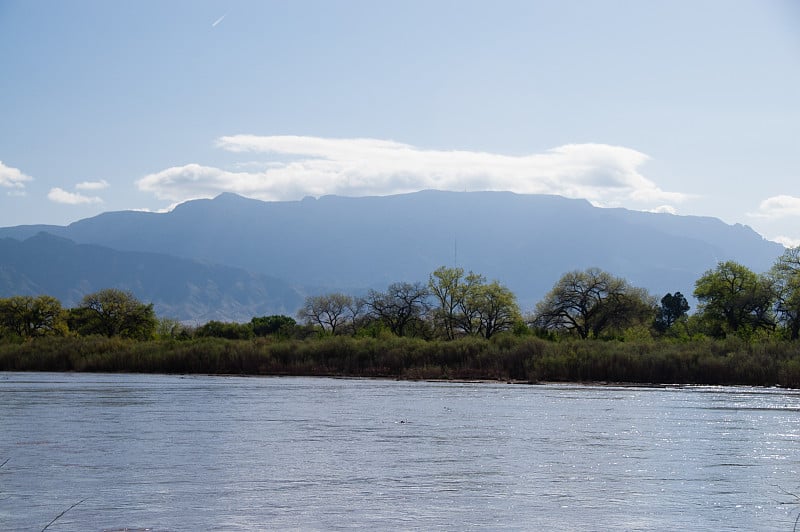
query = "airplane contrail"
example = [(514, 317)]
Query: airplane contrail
[(214, 24)]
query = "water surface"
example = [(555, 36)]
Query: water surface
[(237, 453)]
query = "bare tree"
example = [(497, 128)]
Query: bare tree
[(329, 311), (400, 307)]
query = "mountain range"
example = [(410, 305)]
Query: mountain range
[(185, 289), (233, 258)]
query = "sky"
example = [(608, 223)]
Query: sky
[(684, 107)]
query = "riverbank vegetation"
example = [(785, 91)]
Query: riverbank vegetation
[(591, 326), (506, 357)]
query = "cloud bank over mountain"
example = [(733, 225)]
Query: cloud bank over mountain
[(776, 209), (298, 166), (352, 244)]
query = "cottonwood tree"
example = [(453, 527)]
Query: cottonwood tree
[(332, 312), (467, 304), (456, 295), (447, 288), (113, 312), (592, 301), (402, 307), (496, 308), (785, 275), (356, 313), (734, 299), (468, 316), (29, 316)]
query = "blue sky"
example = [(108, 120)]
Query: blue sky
[(676, 106)]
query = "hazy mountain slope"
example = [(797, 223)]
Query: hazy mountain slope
[(526, 241), (179, 288), (23, 232)]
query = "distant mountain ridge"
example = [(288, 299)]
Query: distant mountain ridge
[(350, 244), (183, 289)]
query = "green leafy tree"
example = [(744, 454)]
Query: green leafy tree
[(113, 312), (626, 307), (733, 299), (456, 294), (467, 304), (446, 285), (277, 325), (229, 330), (593, 301), (785, 275), (167, 328), (29, 316), (470, 301), (674, 308), (495, 307)]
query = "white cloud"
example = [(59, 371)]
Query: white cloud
[(12, 177), (59, 195), (778, 207), (668, 209), (192, 181), (165, 210), (603, 174), (787, 242), (92, 185)]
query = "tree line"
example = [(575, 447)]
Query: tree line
[(109, 312), (592, 303), (454, 303)]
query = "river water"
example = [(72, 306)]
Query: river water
[(236, 453)]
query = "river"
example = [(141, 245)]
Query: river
[(166, 453)]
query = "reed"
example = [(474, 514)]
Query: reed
[(504, 357)]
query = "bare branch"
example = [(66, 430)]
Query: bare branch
[(59, 516)]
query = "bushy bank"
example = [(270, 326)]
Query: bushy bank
[(505, 357)]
